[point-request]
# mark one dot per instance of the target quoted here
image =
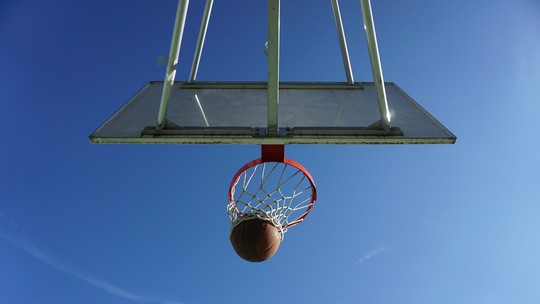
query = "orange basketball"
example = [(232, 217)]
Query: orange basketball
[(255, 240)]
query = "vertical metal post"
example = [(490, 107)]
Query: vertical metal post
[(342, 42), (376, 68), (176, 42), (273, 65), (200, 40)]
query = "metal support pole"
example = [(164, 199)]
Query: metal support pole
[(342, 42), (200, 40), (176, 42), (376, 68), (273, 66)]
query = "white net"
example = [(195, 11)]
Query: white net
[(276, 191)]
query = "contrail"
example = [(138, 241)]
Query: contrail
[(48, 259), (370, 255)]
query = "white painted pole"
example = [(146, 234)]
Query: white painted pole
[(376, 68), (273, 65), (200, 40), (172, 65), (342, 42)]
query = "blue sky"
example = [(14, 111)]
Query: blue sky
[(84, 223)]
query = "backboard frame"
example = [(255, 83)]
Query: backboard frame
[(175, 132)]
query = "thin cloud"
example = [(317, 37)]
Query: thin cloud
[(48, 259), (7, 220), (370, 255)]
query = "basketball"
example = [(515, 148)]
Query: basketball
[(255, 240)]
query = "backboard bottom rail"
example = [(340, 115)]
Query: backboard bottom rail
[(247, 135)]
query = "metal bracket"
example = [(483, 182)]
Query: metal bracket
[(273, 153), (347, 131), (257, 132), (263, 132), (153, 131)]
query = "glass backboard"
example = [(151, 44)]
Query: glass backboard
[(236, 113)]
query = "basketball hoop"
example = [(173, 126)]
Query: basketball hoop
[(271, 188)]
